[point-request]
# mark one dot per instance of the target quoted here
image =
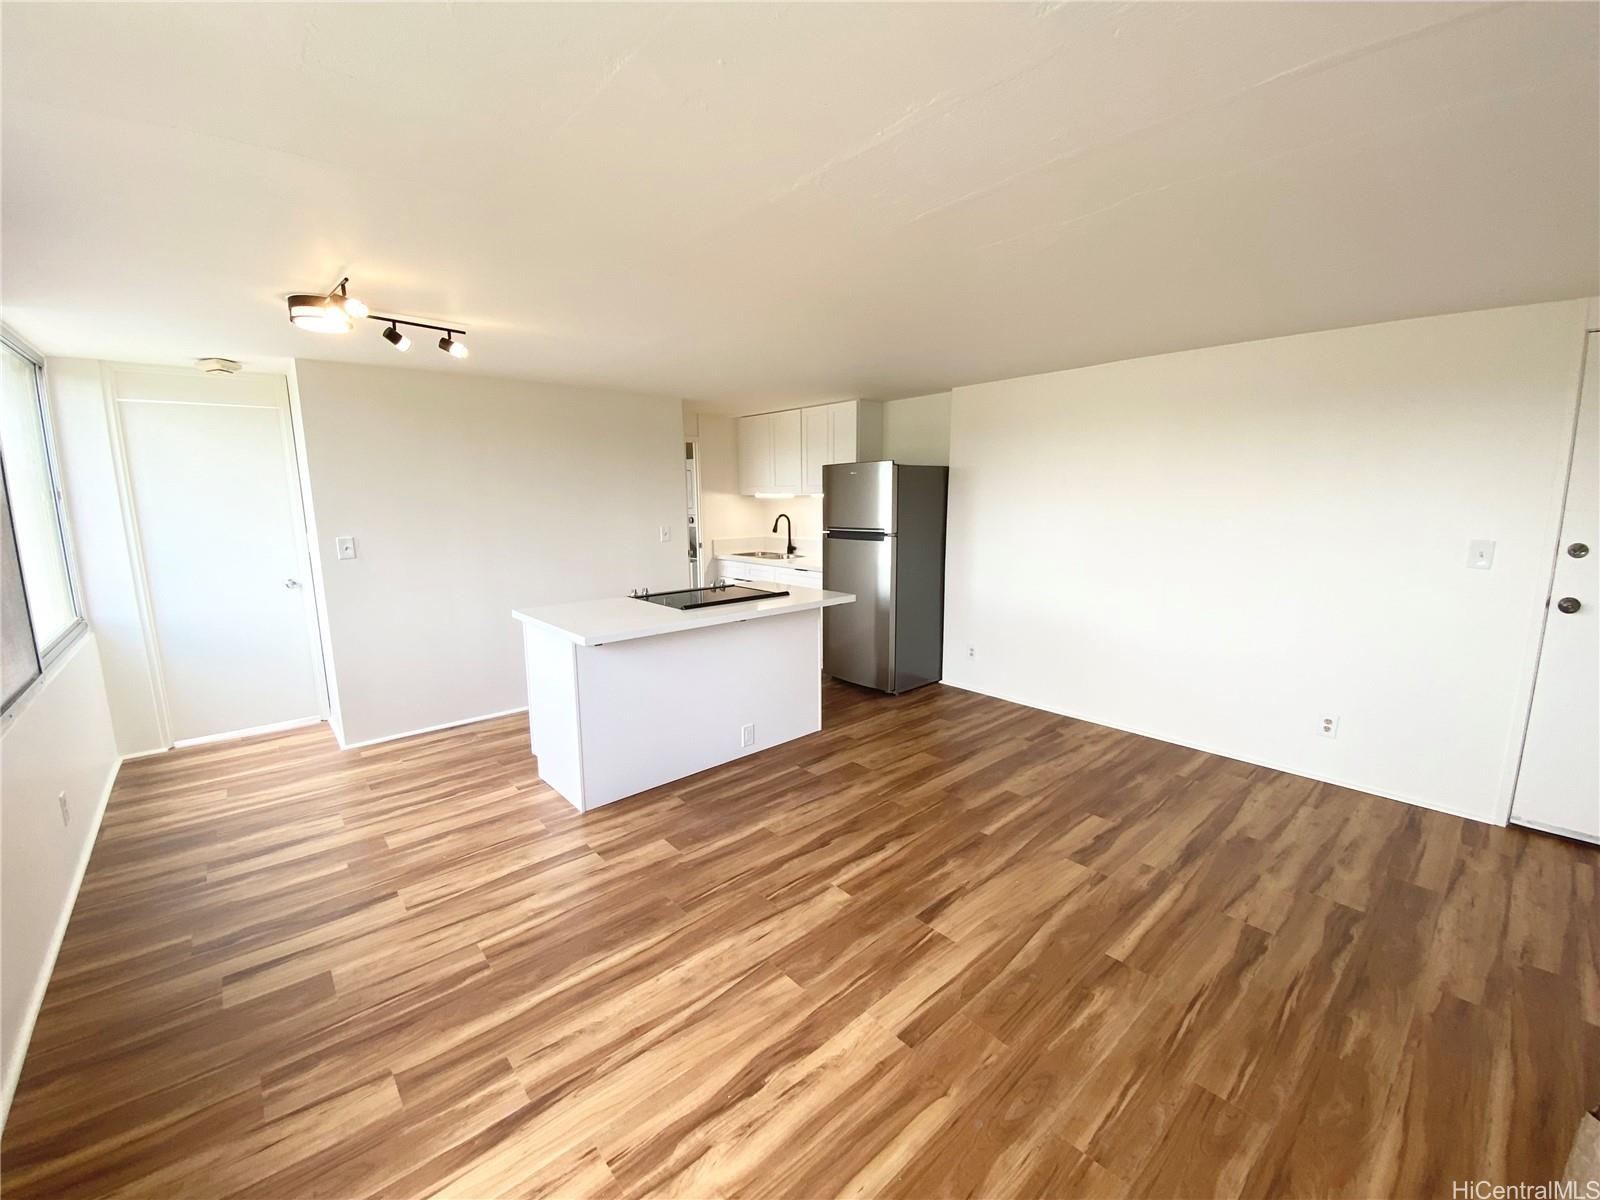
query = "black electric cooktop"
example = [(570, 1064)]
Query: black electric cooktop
[(705, 597)]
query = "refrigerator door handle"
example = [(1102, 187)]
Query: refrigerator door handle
[(857, 535)]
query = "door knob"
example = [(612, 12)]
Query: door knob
[(1577, 550), (1569, 604), (291, 583)]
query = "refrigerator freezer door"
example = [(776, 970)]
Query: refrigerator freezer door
[(858, 496), (858, 639)]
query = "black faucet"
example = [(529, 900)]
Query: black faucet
[(789, 551)]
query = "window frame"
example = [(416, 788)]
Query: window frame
[(63, 641)]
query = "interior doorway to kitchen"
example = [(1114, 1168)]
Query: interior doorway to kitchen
[(691, 485)]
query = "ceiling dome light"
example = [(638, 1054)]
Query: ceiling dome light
[(395, 338), (452, 347), (318, 314)]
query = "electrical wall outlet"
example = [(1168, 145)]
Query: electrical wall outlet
[(972, 652), (66, 814), (1328, 727), (747, 735), (345, 547)]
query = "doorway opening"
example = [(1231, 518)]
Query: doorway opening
[(691, 483)]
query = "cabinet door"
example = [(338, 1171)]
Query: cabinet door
[(818, 431), (842, 429), (755, 454), (743, 572), (788, 455)]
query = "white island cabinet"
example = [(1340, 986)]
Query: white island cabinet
[(625, 695)]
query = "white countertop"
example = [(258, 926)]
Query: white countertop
[(622, 618), (799, 562)]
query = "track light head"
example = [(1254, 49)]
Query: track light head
[(452, 347), (318, 314), (354, 307), (395, 338)]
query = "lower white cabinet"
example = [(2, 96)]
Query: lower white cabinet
[(797, 577), (735, 571), (743, 572)]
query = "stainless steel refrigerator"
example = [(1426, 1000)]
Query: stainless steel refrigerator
[(883, 539)]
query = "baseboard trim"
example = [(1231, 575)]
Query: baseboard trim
[(395, 737), (1573, 834), (1367, 789), (233, 734), (13, 1068)]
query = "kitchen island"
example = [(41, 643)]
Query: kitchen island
[(625, 694)]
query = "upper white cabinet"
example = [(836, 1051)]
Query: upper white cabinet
[(855, 432), (785, 452), (788, 451), (771, 453), (755, 454), (818, 436)]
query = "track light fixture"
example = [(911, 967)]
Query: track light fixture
[(338, 310)]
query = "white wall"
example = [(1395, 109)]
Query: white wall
[(468, 497), (106, 578), (917, 430), (57, 738), (1219, 547)]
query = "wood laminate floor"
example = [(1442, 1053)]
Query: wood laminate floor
[(948, 946)]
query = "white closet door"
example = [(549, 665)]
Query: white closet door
[(1558, 785), (211, 477)]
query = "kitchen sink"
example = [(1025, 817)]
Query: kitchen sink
[(764, 554)]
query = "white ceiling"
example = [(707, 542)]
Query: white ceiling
[(756, 204)]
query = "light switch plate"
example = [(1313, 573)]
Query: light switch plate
[(1480, 555), (666, 533), (345, 547)]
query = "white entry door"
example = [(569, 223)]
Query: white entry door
[(215, 498), (1558, 785)]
